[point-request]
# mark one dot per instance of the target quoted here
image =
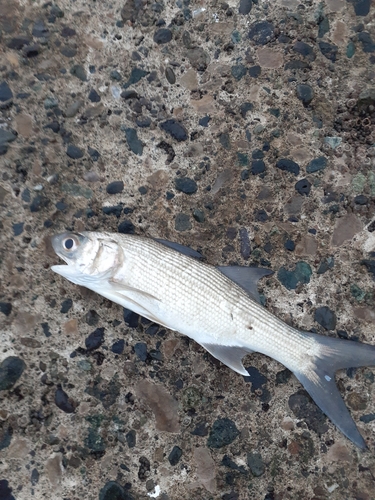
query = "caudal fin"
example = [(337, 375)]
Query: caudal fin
[(319, 379)]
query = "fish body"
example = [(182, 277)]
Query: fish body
[(217, 307)]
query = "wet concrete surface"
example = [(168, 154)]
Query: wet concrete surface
[(242, 129)]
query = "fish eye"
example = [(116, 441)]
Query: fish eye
[(69, 244)]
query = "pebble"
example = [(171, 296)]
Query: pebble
[(62, 401), (135, 76), (135, 144), (261, 32), (305, 50), (305, 409), (345, 228), (368, 45), (223, 432), (18, 42), (245, 247), (140, 349), (289, 245), (79, 71), (126, 227), (17, 230), (73, 109), (118, 346), (333, 142), (245, 7), (361, 199), (66, 305), (256, 464), (31, 50), (328, 50), (113, 490), (238, 71), (258, 167), (255, 71), (326, 264), (260, 215), (94, 96), (74, 152), (163, 35), (361, 7), (288, 165), (5, 491), (131, 438), (94, 155), (245, 108), (316, 164), (290, 279), (198, 58), (325, 317), (5, 308), (5, 92), (175, 129), (182, 222), (115, 187), (224, 140), (95, 339), (185, 185), (303, 187), (305, 93), (175, 455), (11, 370), (199, 215), (170, 75)]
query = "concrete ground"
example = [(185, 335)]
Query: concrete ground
[(242, 129)]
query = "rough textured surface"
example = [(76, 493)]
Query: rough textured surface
[(102, 108)]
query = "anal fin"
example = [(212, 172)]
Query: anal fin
[(229, 355)]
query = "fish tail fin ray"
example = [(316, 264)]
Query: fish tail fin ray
[(318, 378)]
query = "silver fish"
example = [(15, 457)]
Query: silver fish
[(218, 307)]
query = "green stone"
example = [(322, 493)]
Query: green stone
[(76, 190), (350, 50), (358, 183)]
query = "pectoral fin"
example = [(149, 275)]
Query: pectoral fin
[(229, 355), (246, 277), (125, 290)]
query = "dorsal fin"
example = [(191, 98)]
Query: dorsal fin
[(180, 248), (246, 277)]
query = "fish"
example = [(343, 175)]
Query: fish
[(218, 307)]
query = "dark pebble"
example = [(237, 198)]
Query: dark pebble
[(231, 464), (260, 215), (370, 417), (126, 227), (115, 187), (288, 165), (258, 167), (186, 185), (245, 247), (18, 42), (361, 199), (135, 144), (135, 76), (303, 187), (66, 305), (140, 349), (305, 93), (131, 318), (289, 245), (62, 401), (5, 308), (79, 71), (245, 7), (46, 330), (11, 370), (94, 96), (305, 50), (17, 229), (257, 379), (224, 140), (245, 108), (257, 154), (326, 264), (198, 215), (261, 32), (95, 339), (74, 152), (238, 71), (223, 432), (163, 35), (368, 45), (182, 222), (38, 203), (325, 317), (114, 210), (143, 190), (143, 121), (94, 154), (5, 491), (115, 75), (113, 490), (170, 75), (31, 50), (255, 463), (118, 346), (34, 478), (283, 376), (6, 136), (328, 50), (131, 438), (144, 468), (255, 71), (290, 279), (92, 317), (175, 455), (361, 7), (316, 164), (54, 126), (68, 32), (5, 92), (175, 129), (201, 429), (305, 409), (40, 30)]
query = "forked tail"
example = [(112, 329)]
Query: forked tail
[(319, 379)]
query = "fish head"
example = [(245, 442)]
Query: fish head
[(89, 256)]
